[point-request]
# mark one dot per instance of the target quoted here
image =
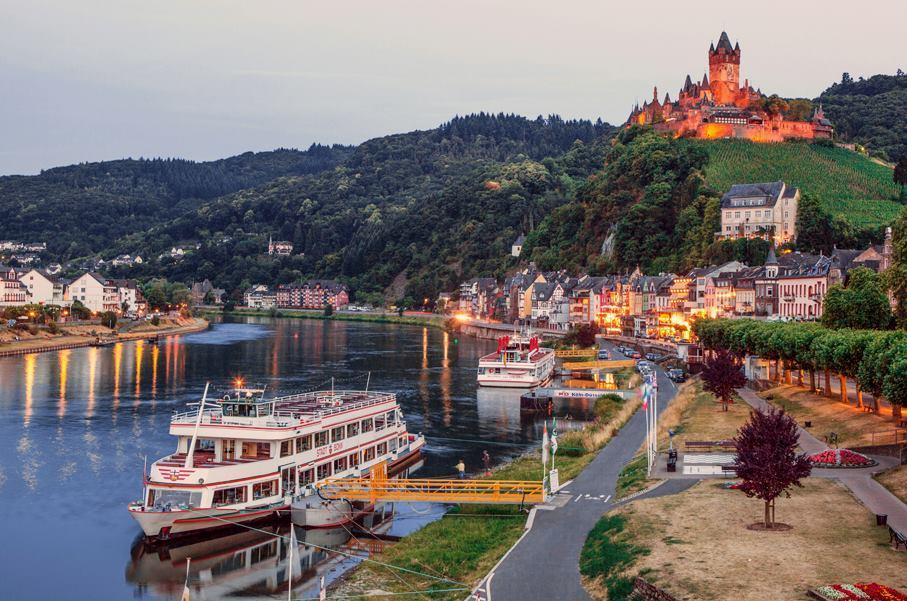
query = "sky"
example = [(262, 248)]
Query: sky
[(92, 80)]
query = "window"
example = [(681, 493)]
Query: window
[(367, 425), (354, 459), (402, 441), (337, 433), (256, 450), (229, 496), (286, 448), (369, 454), (352, 430), (379, 423), (340, 465), (264, 489), (321, 438), (391, 418), (382, 448), (393, 444), (323, 471), (304, 443), (737, 214), (306, 476)]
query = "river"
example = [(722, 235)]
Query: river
[(76, 425)]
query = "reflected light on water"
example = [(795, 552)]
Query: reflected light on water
[(445, 379), (155, 355), (117, 362), (64, 369), (30, 363), (139, 351), (92, 373)]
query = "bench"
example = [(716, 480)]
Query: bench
[(708, 444), (729, 468), (897, 538)]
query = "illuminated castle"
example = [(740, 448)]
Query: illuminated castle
[(719, 107)]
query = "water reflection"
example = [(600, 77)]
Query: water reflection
[(76, 425)]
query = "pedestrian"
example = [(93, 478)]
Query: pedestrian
[(461, 470), (486, 461)]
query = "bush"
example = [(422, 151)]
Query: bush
[(52, 327), (155, 321), (328, 310), (109, 319)]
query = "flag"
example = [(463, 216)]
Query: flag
[(186, 596), (322, 594), (553, 436), (645, 396), (545, 445)]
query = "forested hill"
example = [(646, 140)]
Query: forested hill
[(403, 215), (871, 112), (82, 209)]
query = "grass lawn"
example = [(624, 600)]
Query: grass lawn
[(895, 480), (696, 545), (465, 544), (695, 415), (853, 426)]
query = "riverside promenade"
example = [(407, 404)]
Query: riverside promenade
[(544, 564)]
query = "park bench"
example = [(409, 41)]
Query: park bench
[(897, 538), (708, 444)]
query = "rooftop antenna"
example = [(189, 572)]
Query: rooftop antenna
[(368, 380)]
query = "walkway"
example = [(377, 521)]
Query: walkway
[(545, 563), (873, 495)]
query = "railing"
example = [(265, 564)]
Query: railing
[(576, 353), (616, 364)]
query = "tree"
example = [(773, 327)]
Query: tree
[(862, 304), (900, 176), (109, 319), (815, 229), (767, 459), (328, 309), (722, 376)]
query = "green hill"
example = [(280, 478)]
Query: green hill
[(848, 184)]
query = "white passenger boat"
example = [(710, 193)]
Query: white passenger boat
[(519, 362), (245, 457)]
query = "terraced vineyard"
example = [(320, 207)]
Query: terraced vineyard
[(848, 183)]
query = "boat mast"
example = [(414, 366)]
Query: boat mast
[(198, 423), (368, 380)]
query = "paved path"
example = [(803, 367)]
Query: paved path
[(545, 563), (873, 495)]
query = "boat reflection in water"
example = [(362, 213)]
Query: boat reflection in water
[(503, 406), (249, 562)]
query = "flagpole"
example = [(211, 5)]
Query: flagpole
[(290, 562)]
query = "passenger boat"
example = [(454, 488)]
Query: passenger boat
[(519, 362), (245, 457)]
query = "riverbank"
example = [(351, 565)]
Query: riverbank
[(87, 335), (459, 549), (431, 320)]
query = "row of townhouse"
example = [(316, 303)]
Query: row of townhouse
[(94, 291), (314, 294), (788, 286)]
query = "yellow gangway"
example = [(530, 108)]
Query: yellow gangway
[(580, 365), (583, 352), (379, 487)]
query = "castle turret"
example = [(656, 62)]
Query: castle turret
[(724, 70)]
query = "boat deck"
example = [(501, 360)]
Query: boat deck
[(202, 459)]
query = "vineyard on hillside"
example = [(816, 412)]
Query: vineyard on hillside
[(842, 179)]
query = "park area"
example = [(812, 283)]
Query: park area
[(698, 544)]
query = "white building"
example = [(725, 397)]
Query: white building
[(260, 297), (517, 248), (760, 210), (12, 292), (43, 288), (96, 292)]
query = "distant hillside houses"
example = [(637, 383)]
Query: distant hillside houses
[(789, 286), (313, 294), (12, 246), (280, 247), (96, 292)]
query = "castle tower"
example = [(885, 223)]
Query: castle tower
[(724, 70)]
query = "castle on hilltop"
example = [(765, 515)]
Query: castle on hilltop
[(719, 107)]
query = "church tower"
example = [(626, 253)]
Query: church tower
[(724, 70)]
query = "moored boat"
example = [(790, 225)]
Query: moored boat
[(244, 457), (518, 362)]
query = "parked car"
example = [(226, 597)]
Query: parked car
[(603, 355), (677, 375), (636, 355)]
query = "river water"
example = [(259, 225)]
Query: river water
[(76, 425)]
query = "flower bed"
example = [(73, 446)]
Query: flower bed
[(840, 458), (870, 591)]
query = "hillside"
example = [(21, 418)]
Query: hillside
[(871, 112), (403, 215), (847, 184), (82, 209)]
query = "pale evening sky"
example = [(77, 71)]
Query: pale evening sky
[(90, 80)]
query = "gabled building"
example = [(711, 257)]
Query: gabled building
[(314, 294), (766, 210), (516, 248), (43, 288), (13, 292), (96, 292), (260, 297)]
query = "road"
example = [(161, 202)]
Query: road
[(545, 563)]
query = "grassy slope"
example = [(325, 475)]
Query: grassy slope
[(848, 183)]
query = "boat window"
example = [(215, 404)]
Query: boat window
[(352, 430), (393, 444), (382, 448), (229, 446), (481, 371), (304, 443), (204, 444), (402, 441), (379, 422), (163, 498), (391, 417), (264, 489), (263, 553), (229, 496), (230, 564), (286, 448), (321, 438), (306, 476), (354, 459), (256, 450), (369, 454), (337, 433), (340, 465), (323, 471), (367, 425)]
